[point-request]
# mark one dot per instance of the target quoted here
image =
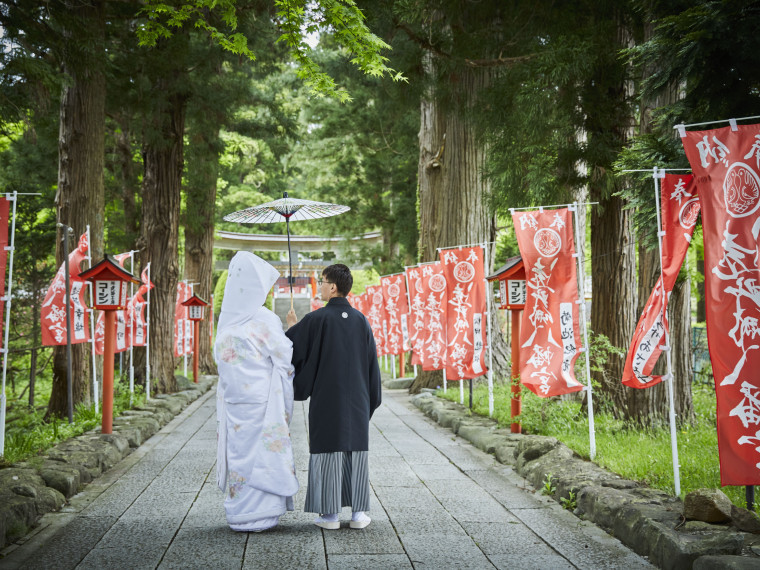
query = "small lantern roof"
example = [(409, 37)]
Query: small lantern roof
[(108, 269), (195, 301), (512, 268)]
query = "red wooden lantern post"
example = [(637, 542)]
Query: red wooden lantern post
[(195, 313), (513, 293), (109, 284)]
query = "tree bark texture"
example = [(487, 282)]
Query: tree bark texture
[(80, 197), (679, 314), (650, 406), (163, 163), (452, 206), (127, 176), (613, 277), (200, 198)]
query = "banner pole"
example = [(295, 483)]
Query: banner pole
[(582, 303), (666, 348), (184, 329), (94, 383), (461, 391), (486, 263), (131, 330), (444, 377), (147, 339), (7, 300)]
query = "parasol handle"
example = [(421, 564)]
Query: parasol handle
[(290, 259)]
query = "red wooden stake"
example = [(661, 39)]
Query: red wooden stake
[(195, 350), (516, 396), (108, 351)]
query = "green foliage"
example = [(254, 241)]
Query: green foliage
[(346, 22), (363, 154), (164, 19), (219, 292), (295, 18), (27, 434), (548, 487), (364, 278), (570, 502), (638, 454)]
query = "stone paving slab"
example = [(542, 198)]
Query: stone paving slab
[(436, 502)]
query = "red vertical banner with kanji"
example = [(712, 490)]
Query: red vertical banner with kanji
[(53, 310), (550, 338), (394, 297), (136, 312), (416, 322), (726, 167), (180, 316), (4, 221), (376, 316), (679, 207), (433, 284), (466, 329), (363, 304)]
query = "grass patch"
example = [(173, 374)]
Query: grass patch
[(27, 434), (638, 454)]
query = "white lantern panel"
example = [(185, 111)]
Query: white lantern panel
[(108, 292), (196, 312), (517, 291)]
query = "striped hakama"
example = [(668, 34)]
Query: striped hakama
[(337, 480)]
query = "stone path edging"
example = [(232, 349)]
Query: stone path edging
[(43, 484), (648, 521)]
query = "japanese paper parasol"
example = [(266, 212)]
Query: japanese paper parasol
[(292, 209)]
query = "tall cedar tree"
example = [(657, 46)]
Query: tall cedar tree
[(80, 198)]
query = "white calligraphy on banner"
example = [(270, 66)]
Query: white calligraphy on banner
[(726, 165)]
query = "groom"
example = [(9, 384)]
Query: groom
[(335, 362)]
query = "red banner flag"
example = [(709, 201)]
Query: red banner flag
[(726, 166), (433, 285), (416, 321), (356, 301), (376, 316), (466, 314), (550, 331), (4, 221), (394, 296), (365, 303), (136, 311), (679, 207), (53, 310)]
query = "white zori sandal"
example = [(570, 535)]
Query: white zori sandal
[(329, 522), (359, 520)]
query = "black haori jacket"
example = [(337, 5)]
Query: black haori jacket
[(335, 359)]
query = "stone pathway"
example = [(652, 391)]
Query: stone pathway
[(437, 502)]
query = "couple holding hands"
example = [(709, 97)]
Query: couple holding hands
[(328, 357)]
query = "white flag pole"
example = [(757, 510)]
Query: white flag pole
[(657, 174), (461, 389), (7, 299), (94, 383), (488, 335), (579, 247), (147, 338), (131, 330), (184, 330), (444, 378)]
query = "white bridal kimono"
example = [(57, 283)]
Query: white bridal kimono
[(254, 400)]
